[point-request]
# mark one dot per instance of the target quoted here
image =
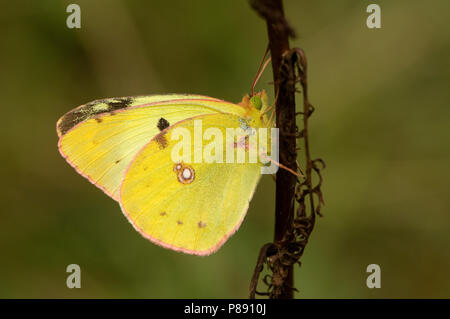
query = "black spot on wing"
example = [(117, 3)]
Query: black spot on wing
[(163, 124)]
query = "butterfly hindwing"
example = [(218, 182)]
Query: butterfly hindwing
[(189, 207)]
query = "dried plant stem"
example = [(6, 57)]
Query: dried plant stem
[(292, 228)]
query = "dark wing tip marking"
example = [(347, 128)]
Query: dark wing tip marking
[(89, 110), (70, 119), (119, 103)]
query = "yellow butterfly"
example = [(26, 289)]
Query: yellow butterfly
[(125, 147)]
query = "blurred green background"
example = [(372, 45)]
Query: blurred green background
[(381, 124)]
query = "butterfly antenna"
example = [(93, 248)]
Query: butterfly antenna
[(261, 68), (282, 166), (270, 109)]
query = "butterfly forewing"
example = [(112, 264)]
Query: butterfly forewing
[(99, 139)]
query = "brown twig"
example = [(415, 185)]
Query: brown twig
[(292, 231)]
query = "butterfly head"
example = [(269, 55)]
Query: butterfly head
[(259, 101)]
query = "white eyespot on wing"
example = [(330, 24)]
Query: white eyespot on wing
[(185, 173)]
